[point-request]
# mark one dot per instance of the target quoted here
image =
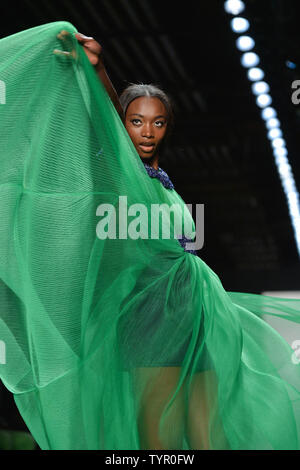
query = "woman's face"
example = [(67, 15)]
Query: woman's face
[(146, 124)]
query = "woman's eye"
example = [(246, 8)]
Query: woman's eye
[(159, 123), (135, 121)]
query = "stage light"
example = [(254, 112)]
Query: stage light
[(245, 43), (255, 74), (289, 185), (293, 197), (250, 59), (259, 88), (273, 122), (280, 152), (274, 133), (234, 7), (268, 113), (263, 100), (284, 169), (239, 25), (278, 143)]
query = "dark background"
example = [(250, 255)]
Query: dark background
[(219, 154)]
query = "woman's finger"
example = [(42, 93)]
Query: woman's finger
[(82, 37)]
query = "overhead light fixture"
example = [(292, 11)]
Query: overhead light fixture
[(280, 158), (280, 152), (259, 88), (268, 113), (239, 25), (284, 169), (234, 7), (255, 74), (250, 60), (278, 143), (274, 133), (273, 122), (245, 43), (263, 100)]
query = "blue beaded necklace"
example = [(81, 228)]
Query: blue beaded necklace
[(160, 174)]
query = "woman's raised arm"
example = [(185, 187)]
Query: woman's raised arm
[(95, 54)]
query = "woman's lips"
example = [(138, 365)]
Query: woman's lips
[(147, 148)]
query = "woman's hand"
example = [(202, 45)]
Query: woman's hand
[(92, 49)]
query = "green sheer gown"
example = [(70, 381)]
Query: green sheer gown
[(117, 343)]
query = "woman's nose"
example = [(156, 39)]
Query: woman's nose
[(147, 131)]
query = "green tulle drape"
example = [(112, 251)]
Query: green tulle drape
[(117, 343)]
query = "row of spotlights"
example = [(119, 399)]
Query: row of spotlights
[(260, 89)]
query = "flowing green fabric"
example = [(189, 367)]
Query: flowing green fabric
[(118, 343)]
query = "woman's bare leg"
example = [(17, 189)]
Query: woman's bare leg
[(190, 414), (157, 385), (203, 413), (201, 401)]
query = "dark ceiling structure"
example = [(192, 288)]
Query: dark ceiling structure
[(219, 154)]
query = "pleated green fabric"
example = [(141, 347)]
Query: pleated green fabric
[(118, 343)]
